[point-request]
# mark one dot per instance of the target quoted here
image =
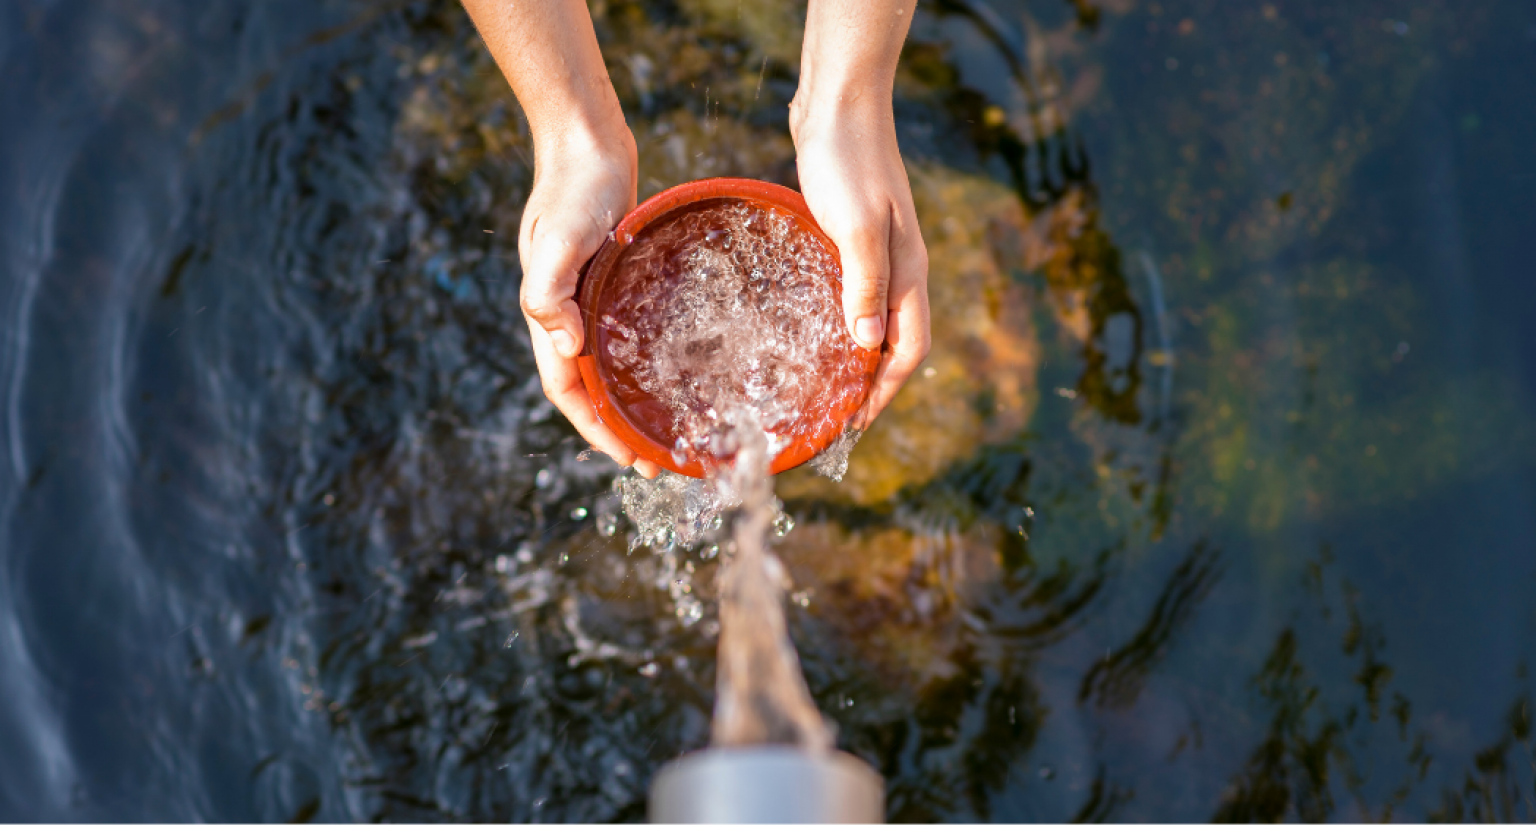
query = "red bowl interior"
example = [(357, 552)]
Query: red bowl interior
[(629, 425)]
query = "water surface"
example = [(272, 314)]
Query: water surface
[(1213, 501)]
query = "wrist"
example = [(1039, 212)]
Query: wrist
[(584, 141), (587, 121), (848, 108), (848, 66)]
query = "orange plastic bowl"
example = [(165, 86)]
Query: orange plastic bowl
[(652, 436)]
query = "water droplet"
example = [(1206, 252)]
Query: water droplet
[(649, 670), (578, 514), (607, 524), (711, 552), (690, 612), (543, 478), (783, 524), (503, 564), (564, 558)]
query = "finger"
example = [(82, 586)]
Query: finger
[(647, 468), (550, 274), (562, 386), (865, 247), (909, 333)]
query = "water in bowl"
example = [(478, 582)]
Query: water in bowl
[(724, 304)]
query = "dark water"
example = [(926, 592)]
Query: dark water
[(1215, 503)]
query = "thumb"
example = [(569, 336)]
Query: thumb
[(865, 249), (550, 274)]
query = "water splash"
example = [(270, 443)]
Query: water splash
[(761, 696), (833, 462)]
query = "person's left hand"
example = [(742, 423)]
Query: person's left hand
[(856, 186)]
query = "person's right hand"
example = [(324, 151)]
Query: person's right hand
[(583, 185)]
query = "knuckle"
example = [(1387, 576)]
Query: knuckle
[(862, 304), (865, 291), (537, 309), (528, 228), (554, 390)]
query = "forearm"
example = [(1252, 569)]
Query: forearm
[(855, 182), (548, 51), (848, 62)]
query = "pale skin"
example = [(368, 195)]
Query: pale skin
[(585, 174)]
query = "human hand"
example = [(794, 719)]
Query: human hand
[(856, 186), (583, 186)]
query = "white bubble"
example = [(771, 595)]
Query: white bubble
[(607, 524)]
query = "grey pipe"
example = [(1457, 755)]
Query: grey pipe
[(767, 784)]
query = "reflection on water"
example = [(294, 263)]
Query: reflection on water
[(1212, 501)]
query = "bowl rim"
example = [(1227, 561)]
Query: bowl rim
[(594, 275)]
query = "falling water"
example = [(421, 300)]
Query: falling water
[(761, 696)]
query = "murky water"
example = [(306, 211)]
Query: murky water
[(1214, 499)]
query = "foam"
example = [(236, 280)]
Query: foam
[(734, 306)]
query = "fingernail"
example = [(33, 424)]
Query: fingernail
[(565, 343), (870, 331)]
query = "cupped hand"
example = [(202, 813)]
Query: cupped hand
[(582, 188), (856, 186)]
